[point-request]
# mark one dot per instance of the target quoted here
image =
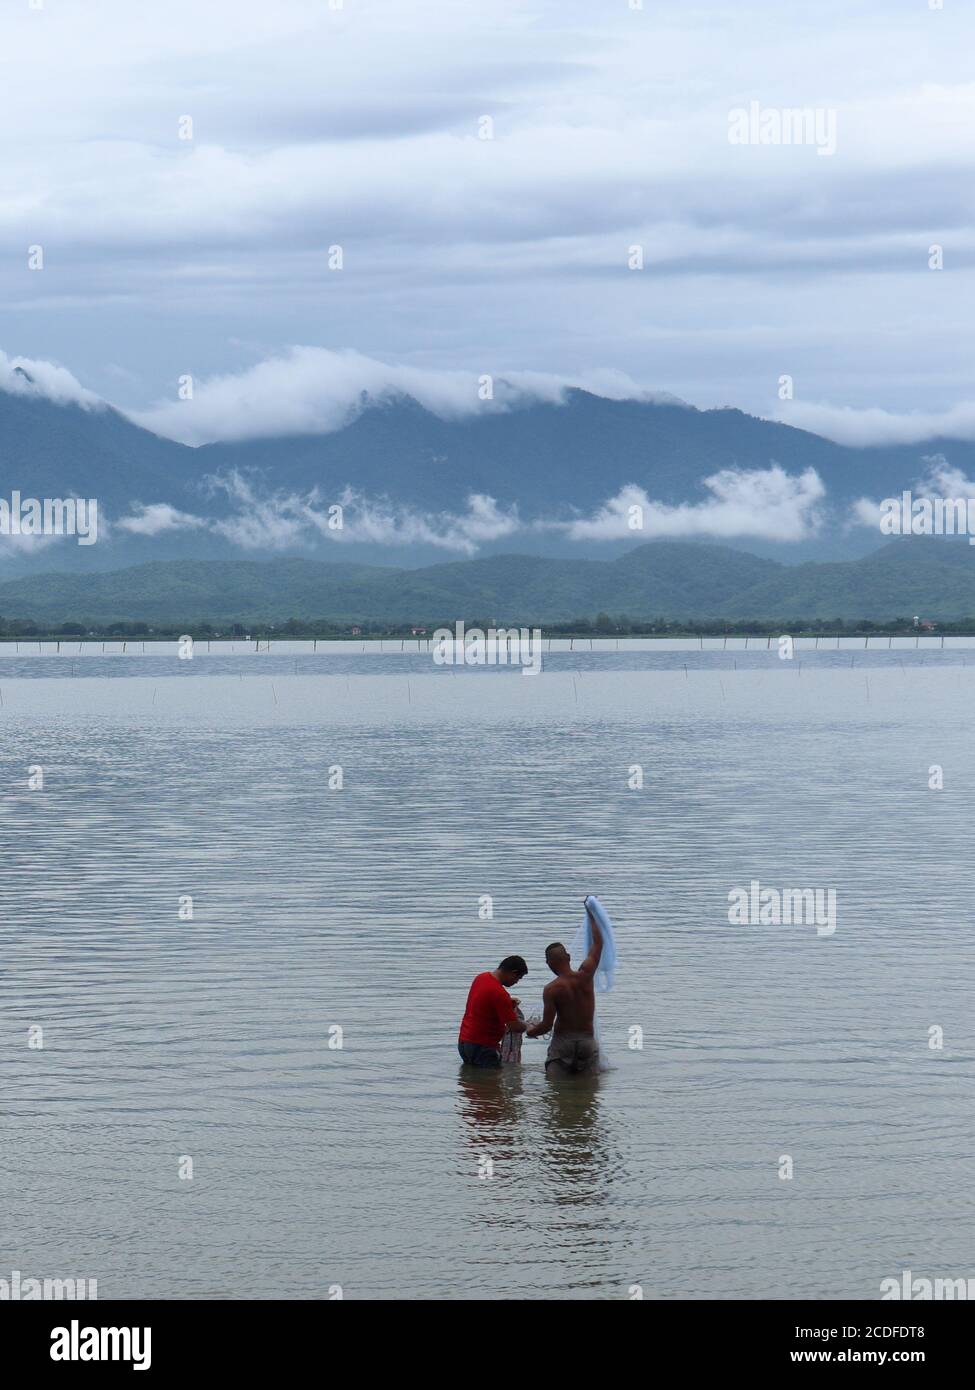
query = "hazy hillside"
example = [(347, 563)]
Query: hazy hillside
[(933, 578), (49, 450)]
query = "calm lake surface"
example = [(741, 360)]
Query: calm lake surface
[(318, 908)]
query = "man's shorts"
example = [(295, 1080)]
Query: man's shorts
[(477, 1055), (573, 1054)]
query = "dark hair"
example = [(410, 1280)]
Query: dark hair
[(555, 946), (514, 963)]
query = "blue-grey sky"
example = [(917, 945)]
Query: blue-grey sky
[(361, 125)]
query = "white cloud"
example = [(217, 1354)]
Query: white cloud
[(763, 503), (29, 376), (26, 544), (769, 503), (864, 512), (311, 390), (945, 480), (381, 522), (939, 479), (158, 518), (280, 521), (863, 428)]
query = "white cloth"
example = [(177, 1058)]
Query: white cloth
[(582, 941)]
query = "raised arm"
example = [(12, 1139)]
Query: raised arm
[(591, 962), (548, 1013)]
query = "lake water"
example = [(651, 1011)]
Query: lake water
[(377, 1166)]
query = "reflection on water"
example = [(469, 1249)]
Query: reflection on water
[(556, 1126), (316, 909), (491, 1112)]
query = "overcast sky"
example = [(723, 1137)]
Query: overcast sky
[(360, 127)]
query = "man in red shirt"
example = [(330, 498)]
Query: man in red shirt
[(491, 1012)]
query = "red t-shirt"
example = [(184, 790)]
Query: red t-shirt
[(489, 1011)]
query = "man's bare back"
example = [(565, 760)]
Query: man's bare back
[(570, 1005), (574, 1000)]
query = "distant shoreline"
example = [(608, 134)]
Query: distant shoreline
[(549, 645), (73, 631), (623, 629)]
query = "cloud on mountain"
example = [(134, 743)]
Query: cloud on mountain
[(158, 518), (939, 479), (262, 521), (769, 504), (311, 390), (865, 428), (29, 376), (317, 390)]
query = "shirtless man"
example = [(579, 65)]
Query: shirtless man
[(570, 1003)]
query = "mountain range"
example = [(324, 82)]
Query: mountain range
[(235, 530), (544, 464)]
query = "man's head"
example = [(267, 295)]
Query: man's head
[(556, 957), (511, 970)]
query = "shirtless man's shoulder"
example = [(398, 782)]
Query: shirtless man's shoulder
[(566, 986)]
